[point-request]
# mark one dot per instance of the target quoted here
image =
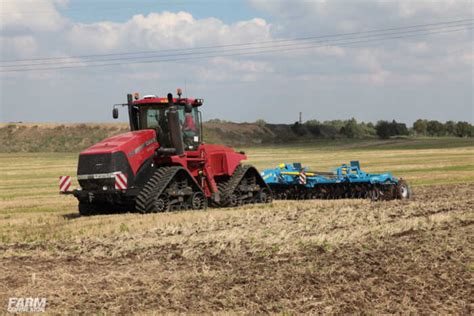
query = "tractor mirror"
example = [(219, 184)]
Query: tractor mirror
[(115, 113)]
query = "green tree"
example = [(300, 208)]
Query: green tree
[(368, 129), (386, 129), (435, 128), (352, 129), (420, 126), (312, 122), (314, 127), (399, 128), (463, 129), (450, 128), (335, 123), (383, 129), (299, 129)]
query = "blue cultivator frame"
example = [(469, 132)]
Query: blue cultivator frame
[(293, 181)]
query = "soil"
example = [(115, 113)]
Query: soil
[(426, 267)]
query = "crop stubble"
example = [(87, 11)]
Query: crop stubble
[(328, 256)]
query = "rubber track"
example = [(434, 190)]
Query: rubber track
[(229, 187), (156, 185)]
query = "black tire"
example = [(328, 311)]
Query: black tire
[(403, 190), (86, 209)]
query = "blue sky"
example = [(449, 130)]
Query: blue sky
[(229, 11), (406, 78)]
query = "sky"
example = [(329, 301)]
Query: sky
[(300, 66)]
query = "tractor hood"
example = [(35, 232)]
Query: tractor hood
[(125, 153), (129, 143)]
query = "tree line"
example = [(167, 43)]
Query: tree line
[(382, 129)]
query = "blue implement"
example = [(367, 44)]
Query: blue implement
[(293, 181)]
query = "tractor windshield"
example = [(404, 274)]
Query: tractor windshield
[(155, 117)]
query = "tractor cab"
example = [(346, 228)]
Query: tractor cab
[(175, 120)]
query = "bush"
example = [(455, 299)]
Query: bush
[(261, 122), (313, 127), (299, 129), (338, 128)]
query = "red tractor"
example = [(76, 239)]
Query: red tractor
[(162, 164)]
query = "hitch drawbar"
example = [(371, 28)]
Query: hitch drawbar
[(121, 181)]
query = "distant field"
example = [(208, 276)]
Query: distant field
[(30, 179), (44, 137), (340, 256)]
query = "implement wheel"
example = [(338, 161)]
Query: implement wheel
[(403, 190)]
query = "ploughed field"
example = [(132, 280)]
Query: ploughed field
[(291, 256)]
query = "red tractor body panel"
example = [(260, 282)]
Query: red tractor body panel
[(138, 146), (206, 163), (221, 160)]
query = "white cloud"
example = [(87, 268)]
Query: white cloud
[(21, 46), (331, 51), (407, 8), (165, 30), (27, 15)]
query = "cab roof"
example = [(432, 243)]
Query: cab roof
[(154, 100)]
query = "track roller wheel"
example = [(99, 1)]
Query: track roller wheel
[(234, 200), (198, 201), (161, 204), (264, 196)]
